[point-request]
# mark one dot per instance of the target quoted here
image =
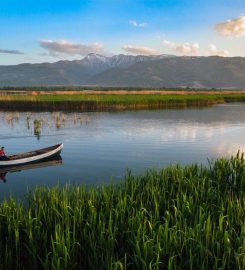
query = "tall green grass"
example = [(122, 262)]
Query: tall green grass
[(95, 102), (178, 218)]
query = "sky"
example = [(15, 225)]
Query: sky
[(48, 31)]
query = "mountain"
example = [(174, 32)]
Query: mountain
[(196, 72), (97, 63), (128, 70), (76, 72)]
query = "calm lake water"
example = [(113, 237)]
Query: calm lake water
[(99, 147)]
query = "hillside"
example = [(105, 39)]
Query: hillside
[(127, 70)]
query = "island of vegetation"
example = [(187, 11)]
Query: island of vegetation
[(181, 217), (77, 99)]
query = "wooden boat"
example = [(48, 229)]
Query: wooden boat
[(33, 156)]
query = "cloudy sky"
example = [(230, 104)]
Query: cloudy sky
[(48, 31)]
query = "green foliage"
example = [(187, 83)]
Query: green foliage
[(178, 218), (100, 102), (104, 88)]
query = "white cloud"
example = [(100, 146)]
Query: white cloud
[(213, 50), (11, 51), (232, 28), (136, 24), (183, 48), (56, 48), (194, 49), (139, 50)]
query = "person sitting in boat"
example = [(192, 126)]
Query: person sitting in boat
[(2, 154)]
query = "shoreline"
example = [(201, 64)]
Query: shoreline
[(117, 91), (87, 102), (109, 101), (21, 106)]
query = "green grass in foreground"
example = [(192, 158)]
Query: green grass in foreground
[(178, 218)]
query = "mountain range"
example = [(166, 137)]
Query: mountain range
[(131, 71)]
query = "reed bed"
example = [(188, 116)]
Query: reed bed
[(101, 102), (189, 217)]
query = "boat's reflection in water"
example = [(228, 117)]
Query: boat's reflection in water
[(55, 161)]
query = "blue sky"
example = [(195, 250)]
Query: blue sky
[(48, 31)]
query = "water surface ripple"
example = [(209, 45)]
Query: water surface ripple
[(101, 146)]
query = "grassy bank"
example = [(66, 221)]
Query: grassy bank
[(103, 102), (179, 218)]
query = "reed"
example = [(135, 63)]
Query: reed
[(189, 217), (102, 102), (37, 124)]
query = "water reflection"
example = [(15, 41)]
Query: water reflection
[(11, 118), (101, 146), (57, 161), (3, 176), (38, 123), (228, 148)]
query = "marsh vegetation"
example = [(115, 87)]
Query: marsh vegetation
[(188, 217), (103, 102)]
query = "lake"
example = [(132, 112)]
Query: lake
[(100, 147)]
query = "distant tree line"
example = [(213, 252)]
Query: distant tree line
[(102, 88)]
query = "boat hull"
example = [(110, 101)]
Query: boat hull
[(34, 156)]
